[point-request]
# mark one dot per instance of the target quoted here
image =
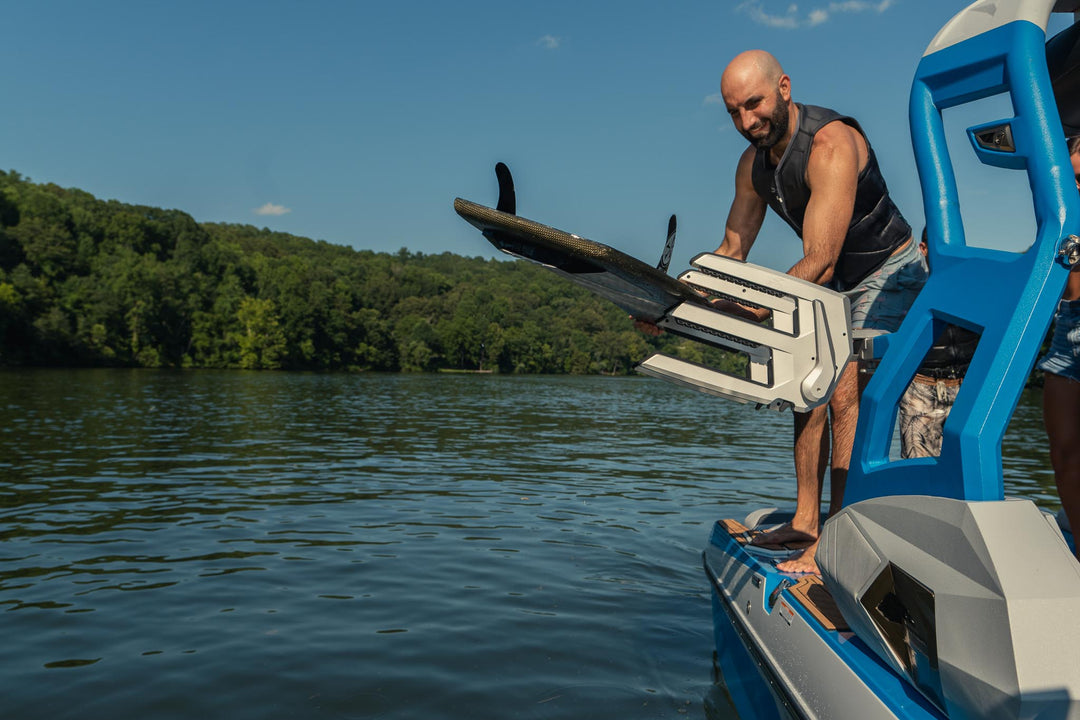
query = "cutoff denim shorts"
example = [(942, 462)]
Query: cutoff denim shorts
[(882, 299), (1063, 357)]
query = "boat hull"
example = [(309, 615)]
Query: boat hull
[(779, 659)]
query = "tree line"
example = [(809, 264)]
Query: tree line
[(87, 282)]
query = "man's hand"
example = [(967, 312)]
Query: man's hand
[(724, 306), (740, 311)]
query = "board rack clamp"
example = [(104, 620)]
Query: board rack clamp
[(795, 363)]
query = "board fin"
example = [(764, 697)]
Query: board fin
[(507, 198), (665, 257)]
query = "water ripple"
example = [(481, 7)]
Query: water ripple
[(375, 546)]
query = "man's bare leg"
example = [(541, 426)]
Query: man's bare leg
[(845, 418), (844, 407), (811, 458)]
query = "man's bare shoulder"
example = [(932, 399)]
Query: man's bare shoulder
[(746, 160), (836, 134), (837, 142)]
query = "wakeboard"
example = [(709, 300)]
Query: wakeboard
[(644, 291)]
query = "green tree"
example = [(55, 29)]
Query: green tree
[(95, 282), (261, 341)]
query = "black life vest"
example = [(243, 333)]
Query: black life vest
[(877, 228)]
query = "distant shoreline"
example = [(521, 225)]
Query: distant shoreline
[(453, 371)]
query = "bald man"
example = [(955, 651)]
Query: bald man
[(816, 170)]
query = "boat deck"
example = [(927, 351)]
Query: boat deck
[(809, 590)]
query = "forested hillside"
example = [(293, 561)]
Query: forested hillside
[(102, 283)]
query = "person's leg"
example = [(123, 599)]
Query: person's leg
[(1061, 407), (921, 420), (844, 415), (945, 392), (880, 302), (1061, 413), (811, 456)]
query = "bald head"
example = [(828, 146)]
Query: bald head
[(757, 95), (756, 66)]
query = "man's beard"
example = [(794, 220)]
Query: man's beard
[(778, 126)]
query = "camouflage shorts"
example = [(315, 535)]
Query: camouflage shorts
[(923, 409)]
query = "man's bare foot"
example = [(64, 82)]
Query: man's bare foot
[(803, 563), (783, 535)]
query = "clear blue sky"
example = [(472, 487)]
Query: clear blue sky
[(359, 122)]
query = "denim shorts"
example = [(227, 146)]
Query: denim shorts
[(881, 299), (1063, 357)]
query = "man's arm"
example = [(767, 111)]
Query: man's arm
[(741, 229), (838, 154), (746, 214), (743, 223)]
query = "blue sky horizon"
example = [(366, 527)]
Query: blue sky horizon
[(358, 123)]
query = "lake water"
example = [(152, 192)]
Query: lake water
[(269, 545)]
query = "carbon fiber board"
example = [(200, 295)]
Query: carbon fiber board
[(638, 288)]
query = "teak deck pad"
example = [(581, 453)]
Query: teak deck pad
[(744, 535)]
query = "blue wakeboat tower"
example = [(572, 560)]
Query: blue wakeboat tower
[(939, 597)]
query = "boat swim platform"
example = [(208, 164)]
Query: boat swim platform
[(809, 590)]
